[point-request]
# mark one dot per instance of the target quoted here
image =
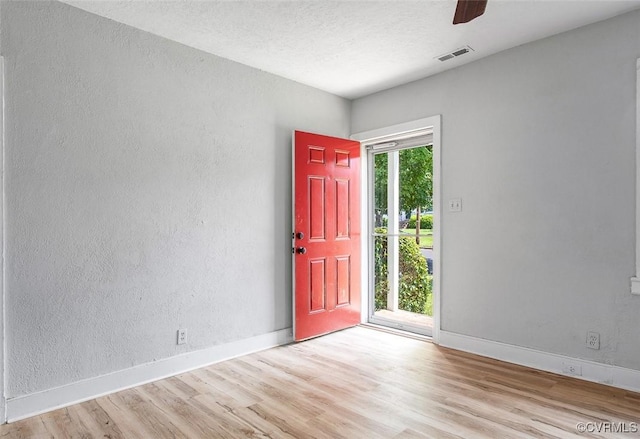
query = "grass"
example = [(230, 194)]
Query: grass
[(426, 236)]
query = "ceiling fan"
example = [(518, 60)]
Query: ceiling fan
[(467, 10)]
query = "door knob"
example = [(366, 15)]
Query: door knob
[(299, 235), (301, 250)]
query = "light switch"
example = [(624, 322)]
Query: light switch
[(455, 205)]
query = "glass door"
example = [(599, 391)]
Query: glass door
[(401, 191)]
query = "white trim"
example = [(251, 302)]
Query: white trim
[(393, 229), (635, 281), (364, 232), (635, 285), (437, 224), (395, 130), (36, 403), (615, 376), (368, 267), (368, 137)]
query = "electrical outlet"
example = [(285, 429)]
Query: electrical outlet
[(182, 336), (455, 205), (593, 340), (571, 369)]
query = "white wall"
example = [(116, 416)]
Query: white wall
[(148, 188), (2, 384), (539, 142)]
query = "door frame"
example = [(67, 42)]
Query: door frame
[(368, 137)]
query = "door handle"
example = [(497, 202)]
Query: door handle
[(301, 250), (299, 235)]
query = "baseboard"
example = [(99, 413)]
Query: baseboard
[(36, 403), (615, 376)]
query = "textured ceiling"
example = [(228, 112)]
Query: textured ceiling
[(351, 48)]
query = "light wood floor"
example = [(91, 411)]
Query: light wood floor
[(358, 383)]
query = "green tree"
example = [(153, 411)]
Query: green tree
[(380, 162), (416, 181)]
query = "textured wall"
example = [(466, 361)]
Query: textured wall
[(2, 363), (539, 142), (148, 188)]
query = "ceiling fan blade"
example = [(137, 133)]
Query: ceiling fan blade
[(467, 10)]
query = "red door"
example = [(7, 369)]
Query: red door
[(326, 234)]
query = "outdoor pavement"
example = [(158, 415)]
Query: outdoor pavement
[(427, 253)]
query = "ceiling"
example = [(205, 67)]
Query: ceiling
[(351, 48)]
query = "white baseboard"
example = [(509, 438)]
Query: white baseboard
[(36, 403), (615, 376)]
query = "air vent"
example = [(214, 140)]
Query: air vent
[(458, 52)]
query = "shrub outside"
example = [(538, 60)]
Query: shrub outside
[(415, 283)]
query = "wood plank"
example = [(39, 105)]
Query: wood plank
[(354, 383)]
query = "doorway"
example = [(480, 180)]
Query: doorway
[(402, 223), (403, 219)]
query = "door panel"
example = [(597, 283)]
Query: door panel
[(316, 208), (343, 284), (343, 208), (326, 234), (318, 285)]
